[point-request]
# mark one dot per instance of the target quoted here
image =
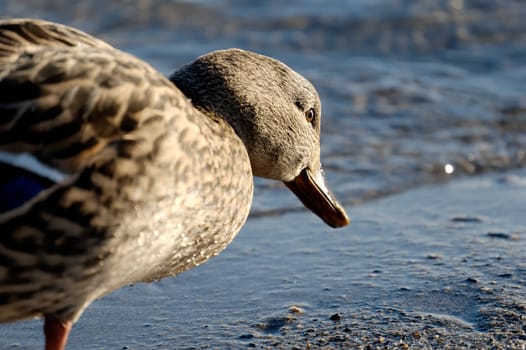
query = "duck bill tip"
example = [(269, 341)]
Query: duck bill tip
[(312, 191)]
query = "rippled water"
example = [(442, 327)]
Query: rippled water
[(407, 87)]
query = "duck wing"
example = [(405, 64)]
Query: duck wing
[(64, 95), (69, 101), (19, 35)]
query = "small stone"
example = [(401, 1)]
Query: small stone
[(338, 338), (336, 317), (500, 235), (295, 310), (467, 219), (433, 257)]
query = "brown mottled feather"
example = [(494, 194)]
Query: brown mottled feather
[(71, 93), (154, 184), (132, 148)]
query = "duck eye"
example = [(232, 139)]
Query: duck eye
[(310, 114)]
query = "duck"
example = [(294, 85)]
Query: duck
[(113, 174)]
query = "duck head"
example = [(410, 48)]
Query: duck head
[(277, 114)]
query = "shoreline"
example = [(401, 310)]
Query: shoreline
[(438, 266)]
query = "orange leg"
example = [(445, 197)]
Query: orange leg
[(56, 333)]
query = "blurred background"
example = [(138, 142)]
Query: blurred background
[(407, 86), (414, 93)]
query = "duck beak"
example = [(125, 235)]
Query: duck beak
[(313, 192)]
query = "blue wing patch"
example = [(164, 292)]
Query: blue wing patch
[(18, 185)]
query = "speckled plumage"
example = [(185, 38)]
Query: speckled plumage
[(153, 183)]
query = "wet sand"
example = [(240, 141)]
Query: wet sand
[(437, 267)]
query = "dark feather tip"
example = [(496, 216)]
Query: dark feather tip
[(17, 186)]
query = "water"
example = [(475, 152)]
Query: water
[(407, 88)]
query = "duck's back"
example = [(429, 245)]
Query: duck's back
[(148, 186)]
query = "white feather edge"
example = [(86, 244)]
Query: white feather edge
[(30, 163)]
